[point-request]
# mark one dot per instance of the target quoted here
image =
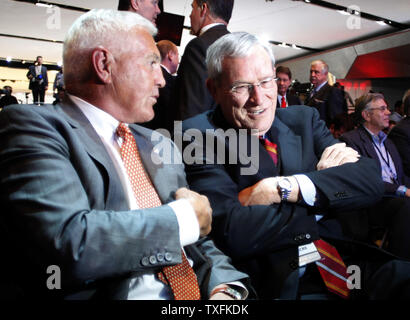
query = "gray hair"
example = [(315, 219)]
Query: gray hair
[(364, 103), (236, 44), (325, 67), (97, 27)]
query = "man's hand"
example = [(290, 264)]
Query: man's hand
[(201, 206), (265, 192), (337, 155)]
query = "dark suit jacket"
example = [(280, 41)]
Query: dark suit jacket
[(329, 101), (292, 100), (32, 71), (400, 135), (360, 140), (264, 240), (164, 110), (63, 204), (192, 96)]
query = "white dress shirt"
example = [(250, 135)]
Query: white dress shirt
[(145, 286)]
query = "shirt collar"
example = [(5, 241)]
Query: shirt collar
[(209, 26), (377, 138), (104, 124)]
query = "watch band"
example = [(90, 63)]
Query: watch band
[(285, 190), (228, 291)]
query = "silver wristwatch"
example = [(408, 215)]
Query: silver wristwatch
[(285, 188)]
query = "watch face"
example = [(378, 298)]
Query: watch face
[(285, 183)]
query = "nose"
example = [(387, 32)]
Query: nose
[(256, 95), (157, 9), (159, 78)]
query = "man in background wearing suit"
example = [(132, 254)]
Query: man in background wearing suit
[(284, 80), (37, 74), (149, 9), (370, 141), (209, 20), (163, 109), (82, 191), (328, 100), (269, 214)]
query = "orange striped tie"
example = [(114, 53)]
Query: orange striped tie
[(332, 269), (181, 277)]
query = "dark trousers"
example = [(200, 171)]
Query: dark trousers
[(38, 92)]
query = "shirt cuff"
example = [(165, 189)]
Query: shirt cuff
[(187, 221), (307, 189), (401, 191)]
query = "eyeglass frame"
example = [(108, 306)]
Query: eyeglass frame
[(383, 108), (251, 86)]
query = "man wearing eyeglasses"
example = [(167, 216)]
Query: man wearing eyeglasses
[(370, 141), (269, 220)]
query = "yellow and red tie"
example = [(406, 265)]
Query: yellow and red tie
[(272, 149), (181, 277), (332, 269)]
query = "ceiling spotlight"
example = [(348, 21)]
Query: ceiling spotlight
[(381, 22), (44, 5), (343, 12), (283, 44), (294, 46), (8, 59), (59, 63)]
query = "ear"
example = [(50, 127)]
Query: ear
[(102, 63), (211, 85), (204, 10), (134, 5), (365, 115)]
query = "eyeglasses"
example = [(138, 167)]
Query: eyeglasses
[(247, 88), (383, 109)]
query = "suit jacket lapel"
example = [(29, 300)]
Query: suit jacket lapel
[(115, 198), (367, 142)]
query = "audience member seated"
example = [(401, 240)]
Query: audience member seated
[(284, 80), (163, 109), (340, 124), (370, 141), (82, 194), (328, 100), (8, 98), (400, 135), (275, 185)]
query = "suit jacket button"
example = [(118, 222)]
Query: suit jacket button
[(152, 260), (160, 257), (168, 256), (145, 261), (293, 265)]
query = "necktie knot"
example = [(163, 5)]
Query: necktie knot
[(123, 131)]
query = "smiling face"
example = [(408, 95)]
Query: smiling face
[(136, 78), (318, 74), (253, 110)]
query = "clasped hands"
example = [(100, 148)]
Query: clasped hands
[(266, 191)]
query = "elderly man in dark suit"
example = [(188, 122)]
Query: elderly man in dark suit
[(328, 100), (37, 74), (149, 9), (81, 189), (209, 20), (370, 141), (275, 178)]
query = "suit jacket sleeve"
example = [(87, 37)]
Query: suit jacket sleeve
[(51, 216)]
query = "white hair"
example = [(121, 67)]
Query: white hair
[(97, 27), (237, 45)]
